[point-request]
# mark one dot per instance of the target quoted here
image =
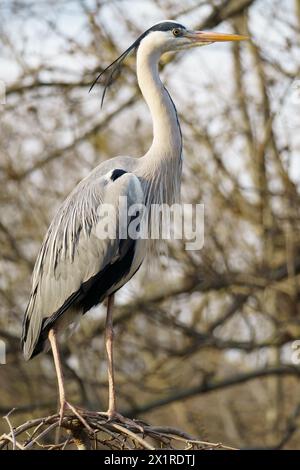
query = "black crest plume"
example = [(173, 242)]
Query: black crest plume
[(112, 71)]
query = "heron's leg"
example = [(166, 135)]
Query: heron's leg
[(59, 373), (112, 413), (60, 380), (109, 338)]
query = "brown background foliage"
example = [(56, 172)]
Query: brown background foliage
[(205, 343)]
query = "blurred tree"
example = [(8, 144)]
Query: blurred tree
[(207, 343)]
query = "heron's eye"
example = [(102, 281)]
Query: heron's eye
[(176, 32)]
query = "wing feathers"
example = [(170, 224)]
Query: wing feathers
[(72, 254)]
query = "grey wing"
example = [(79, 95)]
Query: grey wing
[(74, 252)]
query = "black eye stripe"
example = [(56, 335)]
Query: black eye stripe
[(166, 26)]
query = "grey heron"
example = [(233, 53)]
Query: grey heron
[(75, 269)]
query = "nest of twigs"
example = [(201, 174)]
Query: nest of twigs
[(95, 432)]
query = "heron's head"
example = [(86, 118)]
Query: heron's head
[(166, 36), (170, 36)]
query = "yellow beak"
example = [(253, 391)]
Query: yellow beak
[(211, 36)]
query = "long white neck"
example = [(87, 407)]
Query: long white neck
[(160, 168), (167, 141)]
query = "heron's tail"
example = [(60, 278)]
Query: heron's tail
[(31, 331)]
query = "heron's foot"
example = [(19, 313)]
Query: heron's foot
[(113, 416), (78, 412)]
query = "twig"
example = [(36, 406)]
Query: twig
[(42, 434), (113, 435), (6, 417), (15, 444), (134, 436)]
